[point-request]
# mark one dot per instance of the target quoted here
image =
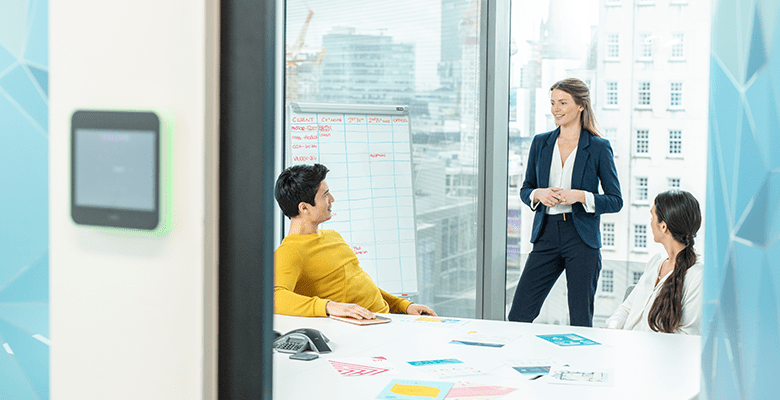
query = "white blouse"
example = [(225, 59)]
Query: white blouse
[(560, 177), (633, 313)]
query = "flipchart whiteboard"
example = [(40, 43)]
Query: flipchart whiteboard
[(367, 149)]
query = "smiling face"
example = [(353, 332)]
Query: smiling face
[(321, 210), (564, 109)]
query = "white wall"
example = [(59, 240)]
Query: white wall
[(133, 316)]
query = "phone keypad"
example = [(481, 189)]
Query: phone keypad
[(290, 345)]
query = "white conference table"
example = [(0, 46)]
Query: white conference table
[(645, 365)]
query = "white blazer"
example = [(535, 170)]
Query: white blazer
[(632, 314)]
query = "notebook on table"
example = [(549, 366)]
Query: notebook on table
[(378, 319)]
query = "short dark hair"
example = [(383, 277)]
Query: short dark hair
[(297, 184)]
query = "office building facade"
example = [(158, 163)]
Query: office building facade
[(365, 69)]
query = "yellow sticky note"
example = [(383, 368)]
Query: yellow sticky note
[(428, 319), (414, 390)]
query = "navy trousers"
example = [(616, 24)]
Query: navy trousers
[(559, 248)]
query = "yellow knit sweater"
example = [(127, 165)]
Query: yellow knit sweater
[(312, 269)]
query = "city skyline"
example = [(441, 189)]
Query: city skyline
[(394, 19)]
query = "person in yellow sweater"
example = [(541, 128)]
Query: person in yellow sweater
[(316, 272)]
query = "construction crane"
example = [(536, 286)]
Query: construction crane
[(292, 54), (293, 61)]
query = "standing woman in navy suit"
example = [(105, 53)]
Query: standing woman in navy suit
[(564, 169)]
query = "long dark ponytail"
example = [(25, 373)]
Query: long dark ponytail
[(680, 210)]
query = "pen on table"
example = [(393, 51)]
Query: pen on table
[(536, 377)]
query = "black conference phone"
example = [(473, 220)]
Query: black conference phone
[(302, 339)]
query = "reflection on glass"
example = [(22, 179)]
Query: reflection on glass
[(420, 54), (637, 93)]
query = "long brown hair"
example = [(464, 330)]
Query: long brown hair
[(581, 94), (680, 210)]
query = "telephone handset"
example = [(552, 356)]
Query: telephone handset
[(303, 339)]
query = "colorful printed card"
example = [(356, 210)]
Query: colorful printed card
[(446, 368), (443, 361), (475, 391), (475, 338), (438, 321), (538, 370), (568, 339), (361, 366), (533, 367), (415, 390), (568, 376)]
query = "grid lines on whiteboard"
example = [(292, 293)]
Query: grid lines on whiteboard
[(370, 178)]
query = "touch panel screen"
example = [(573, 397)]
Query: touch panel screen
[(115, 169)]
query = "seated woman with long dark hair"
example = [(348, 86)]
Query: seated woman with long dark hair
[(667, 297)]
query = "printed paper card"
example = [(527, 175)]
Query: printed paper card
[(475, 338), (446, 368), (361, 366), (580, 376), (437, 321), (533, 371), (475, 391), (568, 339), (415, 390), (533, 368)]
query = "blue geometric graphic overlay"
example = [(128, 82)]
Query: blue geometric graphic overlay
[(32, 317), (752, 227), (42, 77), (13, 381), (774, 59), (24, 221), (757, 57), (765, 117), (24, 156), (31, 285), (19, 85), (748, 271), (750, 162), (726, 385), (767, 352), (718, 227), (13, 29), (725, 109), (742, 336), (37, 45), (773, 217), (727, 32), (729, 311), (6, 59), (32, 355), (708, 355)]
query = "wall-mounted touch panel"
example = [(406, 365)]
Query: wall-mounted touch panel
[(115, 169)]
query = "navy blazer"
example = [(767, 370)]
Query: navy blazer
[(594, 162)]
